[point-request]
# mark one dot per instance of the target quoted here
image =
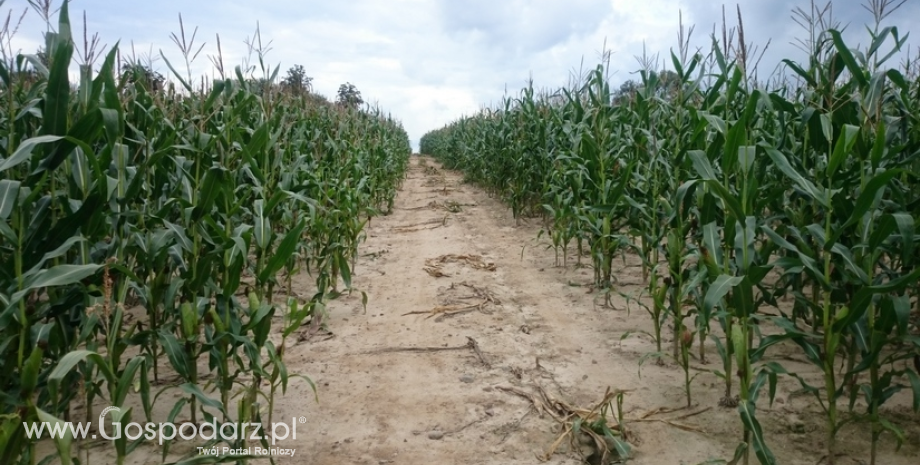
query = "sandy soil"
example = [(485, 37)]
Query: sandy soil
[(536, 326)]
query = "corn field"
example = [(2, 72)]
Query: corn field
[(149, 234), (765, 213)]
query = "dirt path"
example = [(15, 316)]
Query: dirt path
[(534, 325)]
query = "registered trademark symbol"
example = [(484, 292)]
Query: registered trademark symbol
[(303, 420)]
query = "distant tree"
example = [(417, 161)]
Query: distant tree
[(666, 82), (297, 81), (625, 93), (349, 96), (139, 74)]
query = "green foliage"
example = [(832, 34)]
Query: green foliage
[(349, 96), (297, 81), (122, 195), (717, 180)]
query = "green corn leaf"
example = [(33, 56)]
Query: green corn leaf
[(211, 188), (30, 370), (745, 235), (739, 454), (61, 443), (868, 196), (111, 122), (196, 391), (283, 252), (746, 155), (847, 56), (624, 450), (898, 79), (262, 230), (716, 122), (804, 260), (108, 65), (24, 151), (758, 443), (9, 192), (782, 163), (175, 353), (905, 224), (56, 253), (692, 286), (83, 132), (38, 65), (843, 148), (733, 143), (57, 91), (734, 206), (171, 418), (882, 231), (344, 270), (260, 324), (743, 298), (878, 40), (218, 88), (144, 388), (702, 165), (800, 71), (69, 361), (713, 241), (178, 233), (176, 74), (879, 145), (253, 150), (895, 430), (841, 251), (872, 101), (718, 289), (915, 388), (61, 275), (64, 33)]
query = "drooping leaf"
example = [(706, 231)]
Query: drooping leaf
[(9, 192), (63, 442), (758, 443), (283, 252), (718, 289)]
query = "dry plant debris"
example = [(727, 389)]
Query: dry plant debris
[(673, 421), (437, 223), (443, 190), (433, 265), (436, 272), (583, 426), (484, 296), (448, 310), (449, 205), (471, 344)]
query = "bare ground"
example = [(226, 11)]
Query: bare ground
[(450, 269), (537, 329)]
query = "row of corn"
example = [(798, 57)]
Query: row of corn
[(150, 238), (781, 212)]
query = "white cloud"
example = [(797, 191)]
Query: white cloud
[(430, 62)]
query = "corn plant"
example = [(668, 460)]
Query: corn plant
[(124, 190), (811, 176)]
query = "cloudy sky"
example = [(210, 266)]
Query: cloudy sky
[(429, 62)]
